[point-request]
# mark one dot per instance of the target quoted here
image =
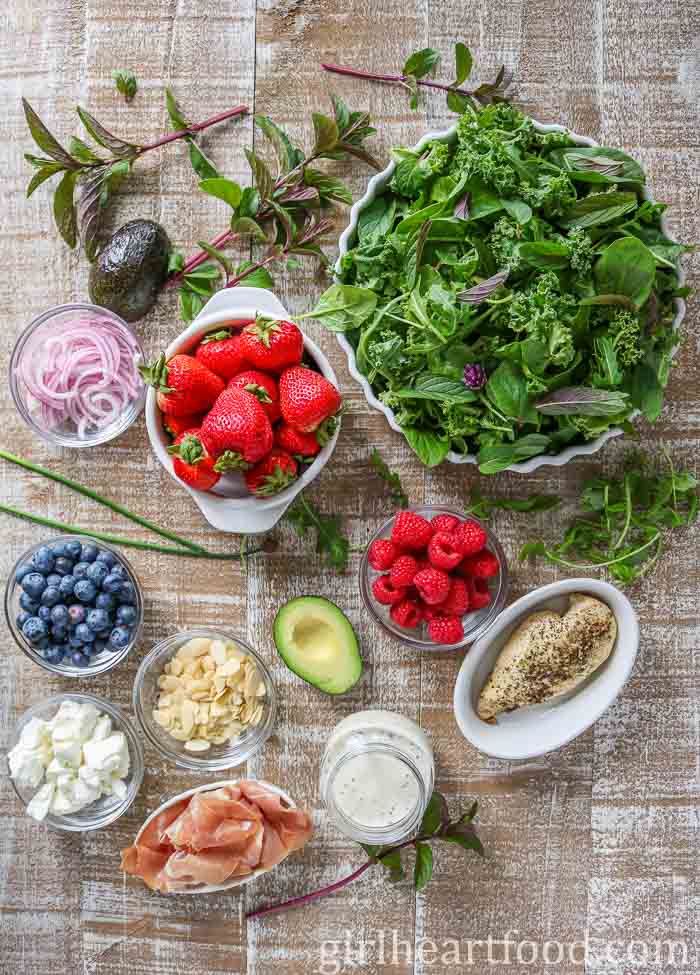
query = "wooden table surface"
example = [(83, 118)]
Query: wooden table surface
[(598, 837)]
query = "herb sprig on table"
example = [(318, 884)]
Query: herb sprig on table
[(283, 209), (625, 521), (93, 171), (510, 292), (436, 827), (397, 493)]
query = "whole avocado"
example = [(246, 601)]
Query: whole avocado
[(131, 269)]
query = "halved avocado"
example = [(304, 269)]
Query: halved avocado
[(317, 642)]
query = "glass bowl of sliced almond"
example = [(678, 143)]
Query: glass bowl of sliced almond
[(205, 699)]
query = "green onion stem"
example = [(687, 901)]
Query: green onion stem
[(119, 540), (94, 496)]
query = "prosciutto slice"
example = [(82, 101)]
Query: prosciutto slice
[(214, 836)]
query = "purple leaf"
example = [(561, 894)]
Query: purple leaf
[(582, 401), (479, 293), (462, 207)]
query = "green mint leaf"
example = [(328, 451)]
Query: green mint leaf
[(626, 267), (430, 447), (82, 152), (103, 137), (463, 835), (45, 140), (398, 495), (287, 154), (201, 164), (41, 175), (217, 255), (422, 62), (259, 278), (598, 209), (392, 862), (329, 188), (250, 202), (126, 83), (343, 307), (544, 254), (223, 189), (423, 870), (582, 401), (303, 515), (246, 227), (326, 134), (64, 209), (463, 63), (176, 117), (261, 174), (457, 102), (436, 816)]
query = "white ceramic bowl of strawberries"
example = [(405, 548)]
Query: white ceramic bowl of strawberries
[(434, 578), (236, 451)]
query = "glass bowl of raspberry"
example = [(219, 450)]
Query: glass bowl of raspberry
[(434, 578)]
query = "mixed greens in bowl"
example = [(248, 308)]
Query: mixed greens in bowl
[(508, 292)]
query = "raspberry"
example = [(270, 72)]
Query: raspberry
[(445, 630), (385, 593), (444, 523), (433, 585), (431, 612), (402, 571), (411, 531), (443, 551), (485, 565), (457, 602), (470, 537), (382, 554), (407, 613), (479, 595)]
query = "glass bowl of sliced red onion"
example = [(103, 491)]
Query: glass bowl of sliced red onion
[(74, 375)]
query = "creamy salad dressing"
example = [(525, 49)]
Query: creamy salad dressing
[(377, 775)]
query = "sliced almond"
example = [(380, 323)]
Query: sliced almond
[(194, 648), (174, 667), (218, 652), (197, 745), (187, 716)]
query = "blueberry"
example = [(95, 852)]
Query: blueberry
[(55, 654), (97, 619), (36, 630), (34, 584), (126, 615), (59, 632), (107, 558), (104, 634), (59, 615), (44, 613), (112, 583), (105, 601), (77, 613), (85, 590), (80, 570), (43, 644), (89, 649), (50, 596), (53, 579), (118, 570), (100, 645), (79, 659), (66, 586), (97, 572), (127, 594), (22, 618), (59, 549), (23, 571), (64, 566), (84, 633), (43, 560), (73, 550), (88, 552), (75, 642), (119, 637), (28, 604)]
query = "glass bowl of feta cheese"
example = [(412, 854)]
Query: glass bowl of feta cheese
[(76, 762)]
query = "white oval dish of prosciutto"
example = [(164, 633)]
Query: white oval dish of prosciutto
[(216, 837)]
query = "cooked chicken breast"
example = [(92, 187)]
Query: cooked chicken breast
[(548, 655)]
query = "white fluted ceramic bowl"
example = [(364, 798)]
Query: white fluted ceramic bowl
[(230, 507), (347, 241)]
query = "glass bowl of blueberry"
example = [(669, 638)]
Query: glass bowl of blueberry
[(74, 606)]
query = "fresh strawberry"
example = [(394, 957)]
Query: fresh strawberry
[(381, 554), (271, 344), (457, 602), (402, 571), (470, 537), (433, 585), (443, 551), (411, 531), (385, 593), (446, 630), (222, 353), (191, 462), (272, 474), (444, 523), (175, 425), (407, 613), (307, 398), (483, 565), (479, 594), (303, 446), (263, 388), (237, 431), (184, 384)]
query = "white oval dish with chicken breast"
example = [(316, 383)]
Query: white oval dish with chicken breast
[(547, 668)]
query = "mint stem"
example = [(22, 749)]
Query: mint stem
[(392, 79), (193, 129), (119, 540), (94, 496)]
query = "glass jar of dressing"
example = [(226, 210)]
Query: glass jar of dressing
[(377, 776)]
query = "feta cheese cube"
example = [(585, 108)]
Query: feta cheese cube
[(106, 755), (40, 804)]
